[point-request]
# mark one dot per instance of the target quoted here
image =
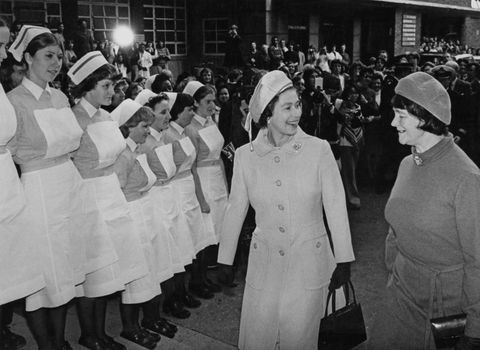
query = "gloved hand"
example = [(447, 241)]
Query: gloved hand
[(468, 343), (226, 275), (340, 276)]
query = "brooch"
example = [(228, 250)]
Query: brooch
[(417, 159), (297, 146)]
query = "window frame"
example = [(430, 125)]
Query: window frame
[(219, 39)]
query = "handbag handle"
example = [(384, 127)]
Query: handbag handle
[(331, 295)]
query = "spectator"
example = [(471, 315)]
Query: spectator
[(333, 54), (253, 54), (120, 64), (345, 55), (275, 53), (263, 58), (283, 46), (291, 55), (159, 64), (59, 36), (301, 58), (162, 83), (144, 61), (82, 39), (233, 54)]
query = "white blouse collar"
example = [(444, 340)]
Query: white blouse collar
[(177, 127), (156, 135), (131, 144), (36, 90), (199, 119), (89, 108)]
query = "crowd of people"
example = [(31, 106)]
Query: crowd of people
[(123, 174)]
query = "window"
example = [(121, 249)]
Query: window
[(214, 33), (103, 16), (164, 20), (36, 12)]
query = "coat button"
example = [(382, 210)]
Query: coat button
[(281, 252), (277, 159), (281, 207), (281, 229), (254, 245), (278, 183), (318, 244)]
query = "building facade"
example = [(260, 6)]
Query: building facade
[(195, 30)]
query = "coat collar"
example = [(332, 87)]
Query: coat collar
[(262, 146)]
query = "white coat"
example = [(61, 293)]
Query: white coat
[(290, 262)]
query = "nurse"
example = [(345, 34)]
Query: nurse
[(160, 157), (185, 188), (20, 274), (136, 178), (208, 173), (287, 176), (46, 134), (115, 256)]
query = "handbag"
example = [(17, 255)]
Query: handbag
[(448, 330), (344, 328)]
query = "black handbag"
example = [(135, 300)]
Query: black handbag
[(448, 330), (344, 328)]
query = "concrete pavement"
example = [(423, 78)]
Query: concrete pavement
[(214, 326)]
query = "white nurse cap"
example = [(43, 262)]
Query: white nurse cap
[(125, 111), (85, 66), (26, 34), (172, 96), (192, 87), (144, 96), (149, 81)]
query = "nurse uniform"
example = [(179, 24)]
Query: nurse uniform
[(184, 155), (208, 142), (160, 160), (115, 255), (20, 274), (136, 178), (47, 132)]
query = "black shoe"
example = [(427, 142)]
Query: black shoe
[(189, 301), (66, 346), (11, 340), (141, 338), (155, 336), (92, 343), (175, 309), (112, 344), (201, 291), (168, 324), (214, 288), (158, 327)]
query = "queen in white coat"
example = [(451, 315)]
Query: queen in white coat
[(287, 176)]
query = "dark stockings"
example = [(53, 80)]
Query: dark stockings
[(151, 310), (199, 269), (129, 314), (168, 289), (92, 314), (48, 324), (179, 281)]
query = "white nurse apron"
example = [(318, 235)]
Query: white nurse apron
[(104, 275), (141, 210), (53, 212), (212, 177), (20, 274), (172, 225), (184, 188)]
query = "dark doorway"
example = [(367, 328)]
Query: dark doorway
[(377, 33)]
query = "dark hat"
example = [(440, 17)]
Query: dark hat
[(443, 71)]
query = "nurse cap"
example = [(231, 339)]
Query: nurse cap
[(149, 81), (26, 34), (85, 66), (270, 85), (427, 92), (144, 96), (172, 97), (192, 87), (125, 111)]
